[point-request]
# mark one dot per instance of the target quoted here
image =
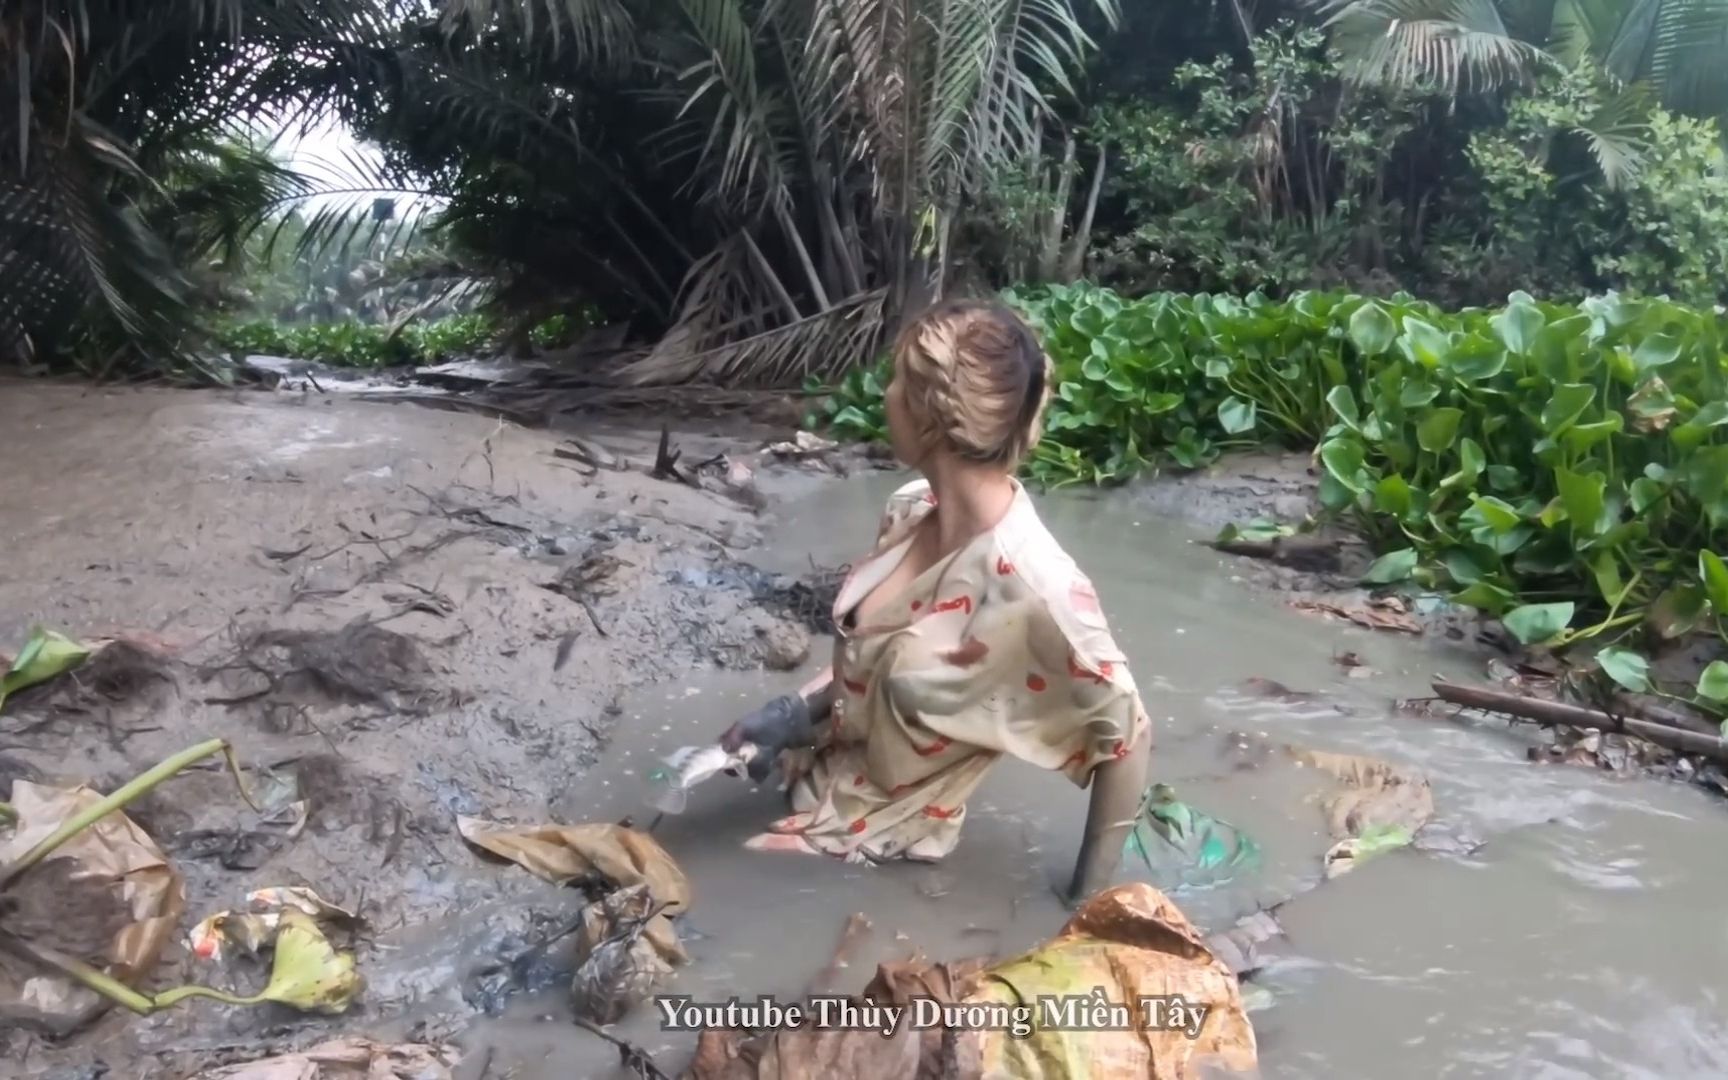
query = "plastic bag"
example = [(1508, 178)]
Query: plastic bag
[(1183, 847)]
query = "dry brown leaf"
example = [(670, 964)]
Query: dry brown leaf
[(1374, 618), (112, 854), (1371, 793), (348, 1059), (565, 853)]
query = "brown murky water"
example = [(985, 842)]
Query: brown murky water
[(1584, 940)]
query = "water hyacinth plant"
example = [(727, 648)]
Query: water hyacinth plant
[(1562, 467)]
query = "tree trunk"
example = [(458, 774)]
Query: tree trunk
[(1075, 264), (1050, 253)]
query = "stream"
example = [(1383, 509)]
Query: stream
[(1584, 939)]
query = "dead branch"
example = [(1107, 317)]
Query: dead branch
[(1564, 715), (1298, 552), (666, 461)]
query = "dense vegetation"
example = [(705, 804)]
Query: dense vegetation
[(764, 188)]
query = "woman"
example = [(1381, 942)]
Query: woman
[(966, 634)]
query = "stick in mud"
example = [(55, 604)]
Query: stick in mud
[(1560, 713), (857, 928)]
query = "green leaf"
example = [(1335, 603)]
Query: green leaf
[(1713, 682), (1605, 568), (1485, 597), (1394, 566), (1691, 434), (1470, 464), (45, 654), (1343, 460), (1645, 494), (1217, 368), (1568, 402), (1463, 566), (1424, 343), (1504, 477), (1657, 350), (1372, 330), (1392, 496), (1677, 611), (1476, 358), (1715, 575), (1534, 624), (1626, 668), (1582, 497), (1518, 327), (1236, 416), (1439, 429), (1156, 404), (1090, 320), (1495, 513), (1582, 437), (1343, 402), (1094, 368)]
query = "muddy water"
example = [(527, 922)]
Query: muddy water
[(1584, 939)]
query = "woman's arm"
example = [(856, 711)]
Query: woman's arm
[(1117, 786), (818, 694)]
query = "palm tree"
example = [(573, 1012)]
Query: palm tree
[(773, 180), (1676, 46), (120, 158)]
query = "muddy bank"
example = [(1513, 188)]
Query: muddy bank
[(406, 614)]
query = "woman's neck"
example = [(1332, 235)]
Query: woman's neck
[(970, 499)]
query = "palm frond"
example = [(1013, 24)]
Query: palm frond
[(1688, 54), (1617, 135), (1455, 45), (824, 345), (746, 145), (598, 32), (1583, 30)]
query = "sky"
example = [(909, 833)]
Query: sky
[(324, 153)]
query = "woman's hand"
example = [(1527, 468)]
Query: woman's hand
[(782, 724)]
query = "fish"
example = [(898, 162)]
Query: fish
[(689, 766)]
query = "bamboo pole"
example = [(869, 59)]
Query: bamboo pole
[(1565, 715)]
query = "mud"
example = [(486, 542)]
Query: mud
[(1554, 918), (364, 598)]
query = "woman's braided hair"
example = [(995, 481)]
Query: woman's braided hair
[(976, 380)]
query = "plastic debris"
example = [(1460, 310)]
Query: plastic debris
[(1182, 846), (611, 855)]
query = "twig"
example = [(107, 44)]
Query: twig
[(284, 556), (630, 1056), (592, 617)]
